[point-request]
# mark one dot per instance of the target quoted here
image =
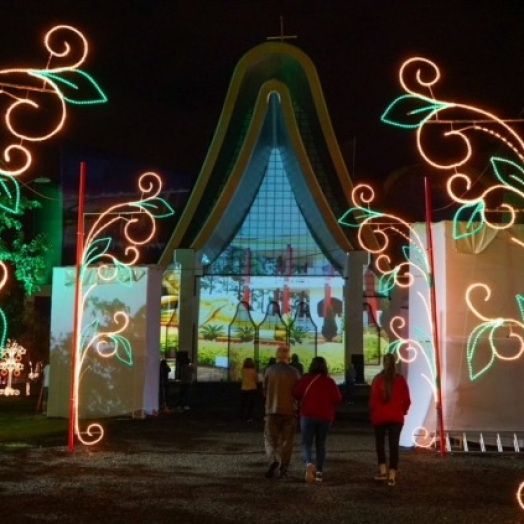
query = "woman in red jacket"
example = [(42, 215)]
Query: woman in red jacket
[(389, 401), (318, 395)]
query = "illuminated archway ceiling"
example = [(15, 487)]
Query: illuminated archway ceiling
[(274, 101)]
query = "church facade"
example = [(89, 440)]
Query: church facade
[(257, 257)]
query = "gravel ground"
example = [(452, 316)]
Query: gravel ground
[(205, 466)]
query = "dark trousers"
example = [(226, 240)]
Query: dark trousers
[(184, 395), (392, 430), (247, 403)]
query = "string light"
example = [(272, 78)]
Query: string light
[(423, 438), (403, 274), (65, 82), (487, 331), (11, 366), (139, 226)]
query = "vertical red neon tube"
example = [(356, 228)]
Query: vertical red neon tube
[(434, 316), (77, 308)]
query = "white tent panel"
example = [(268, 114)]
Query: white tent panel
[(109, 386), (486, 393)]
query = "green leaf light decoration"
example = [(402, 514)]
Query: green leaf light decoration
[(80, 82), (413, 111), (417, 109), (35, 89), (137, 219)]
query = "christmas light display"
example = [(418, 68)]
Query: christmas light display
[(28, 89), (493, 330), (138, 222), (385, 227), (419, 109), (11, 366)]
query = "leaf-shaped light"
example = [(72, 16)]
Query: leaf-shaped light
[(482, 331), (417, 257), (124, 274), (123, 349), (411, 111), (157, 207), (3, 331), (75, 86), (472, 215), (520, 304), (387, 282), (96, 249), (354, 216), (9, 194), (500, 165), (395, 346)]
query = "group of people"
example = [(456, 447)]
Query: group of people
[(314, 397)]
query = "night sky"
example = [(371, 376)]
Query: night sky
[(165, 66)]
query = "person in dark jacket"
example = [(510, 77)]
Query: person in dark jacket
[(164, 384), (389, 402), (318, 395)]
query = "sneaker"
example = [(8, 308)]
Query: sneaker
[(391, 482), (318, 476), (271, 471), (310, 473), (381, 476)]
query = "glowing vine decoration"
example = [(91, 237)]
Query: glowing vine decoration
[(30, 90), (11, 366), (384, 227), (490, 330), (138, 219), (416, 111)]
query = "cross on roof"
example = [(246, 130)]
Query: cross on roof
[(282, 37)]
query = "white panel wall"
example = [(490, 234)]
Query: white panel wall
[(108, 386)]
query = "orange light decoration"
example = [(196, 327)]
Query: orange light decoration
[(507, 330), (11, 365), (384, 227), (418, 109), (520, 492), (422, 438), (139, 224), (31, 89)]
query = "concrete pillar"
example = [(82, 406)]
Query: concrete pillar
[(353, 312), (188, 303)]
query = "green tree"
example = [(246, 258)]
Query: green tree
[(24, 257)]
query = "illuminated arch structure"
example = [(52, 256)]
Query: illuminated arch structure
[(258, 246)]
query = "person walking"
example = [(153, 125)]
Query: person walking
[(187, 377), (248, 390), (164, 385), (389, 402), (319, 396), (295, 362), (45, 387), (280, 410)]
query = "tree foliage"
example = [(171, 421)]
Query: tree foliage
[(24, 256)]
